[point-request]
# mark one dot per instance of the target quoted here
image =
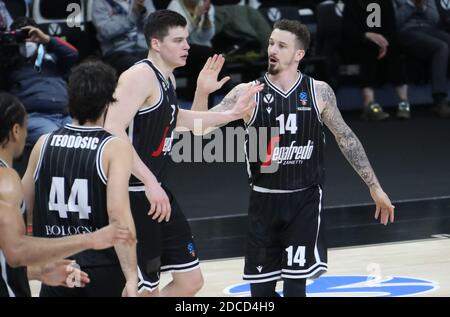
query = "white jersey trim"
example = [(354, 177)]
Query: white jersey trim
[(99, 160), (82, 128), (255, 110), (278, 90), (41, 156), (154, 106), (4, 163), (140, 188), (316, 251), (4, 274), (312, 275), (277, 191), (313, 93), (159, 102)]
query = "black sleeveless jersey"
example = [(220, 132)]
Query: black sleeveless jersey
[(290, 157), (70, 189), (151, 131), (13, 281)]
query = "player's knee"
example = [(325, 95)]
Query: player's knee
[(191, 285), (196, 284)]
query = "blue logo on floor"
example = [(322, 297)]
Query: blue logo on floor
[(355, 286)]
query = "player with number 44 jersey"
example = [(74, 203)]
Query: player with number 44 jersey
[(77, 182)]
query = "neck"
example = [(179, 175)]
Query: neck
[(157, 60), (98, 123), (285, 79), (6, 155)]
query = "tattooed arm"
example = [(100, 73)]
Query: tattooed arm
[(236, 105), (230, 99), (352, 149)]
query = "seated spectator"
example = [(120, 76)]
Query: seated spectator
[(119, 25), (244, 24), (373, 44), (420, 36), (199, 15), (5, 17), (35, 74)]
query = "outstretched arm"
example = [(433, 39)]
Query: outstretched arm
[(232, 108), (22, 250), (352, 149)]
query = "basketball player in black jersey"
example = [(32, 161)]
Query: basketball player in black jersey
[(146, 115), (41, 257), (77, 181), (285, 239)]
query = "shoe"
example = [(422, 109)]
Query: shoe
[(403, 111), (374, 112), (442, 110)]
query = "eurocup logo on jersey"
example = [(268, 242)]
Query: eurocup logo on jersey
[(303, 96)]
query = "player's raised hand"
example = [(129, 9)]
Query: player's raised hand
[(246, 101), (207, 81)]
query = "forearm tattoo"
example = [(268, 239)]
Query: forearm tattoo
[(230, 99), (348, 142)]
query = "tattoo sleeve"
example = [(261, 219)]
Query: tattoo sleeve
[(230, 99), (346, 139)]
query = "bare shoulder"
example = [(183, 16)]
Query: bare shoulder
[(325, 96), (138, 73), (118, 144), (10, 187), (34, 156), (117, 148)]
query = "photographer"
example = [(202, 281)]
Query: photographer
[(35, 73)]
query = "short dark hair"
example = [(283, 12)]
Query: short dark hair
[(91, 89), (12, 112), (298, 29), (159, 22)]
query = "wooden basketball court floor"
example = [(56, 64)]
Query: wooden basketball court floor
[(408, 268)]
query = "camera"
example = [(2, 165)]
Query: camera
[(13, 37)]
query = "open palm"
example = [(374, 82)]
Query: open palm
[(207, 80)]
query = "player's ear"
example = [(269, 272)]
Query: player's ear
[(16, 132), (299, 54), (155, 45)]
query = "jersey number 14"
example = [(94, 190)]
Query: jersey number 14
[(287, 125)]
